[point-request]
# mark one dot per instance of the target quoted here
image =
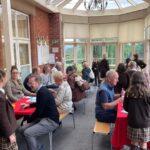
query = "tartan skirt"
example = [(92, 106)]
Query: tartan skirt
[(138, 134), (6, 145)]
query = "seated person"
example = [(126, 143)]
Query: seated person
[(44, 119), (35, 71), (14, 87), (8, 122), (63, 96), (105, 104), (75, 83), (46, 75)]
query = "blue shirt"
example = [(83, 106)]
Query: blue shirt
[(105, 94)]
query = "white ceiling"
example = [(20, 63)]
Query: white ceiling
[(76, 7)]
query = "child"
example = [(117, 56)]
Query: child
[(137, 103)]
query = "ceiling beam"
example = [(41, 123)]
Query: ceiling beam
[(77, 4), (132, 2), (56, 2), (65, 2), (118, 3)]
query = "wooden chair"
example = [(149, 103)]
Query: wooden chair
[(61, 117), (101, 128)]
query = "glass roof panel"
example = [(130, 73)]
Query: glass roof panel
[(124, 3), (71, 4), (138, 1), (81, 7), (112, 5)]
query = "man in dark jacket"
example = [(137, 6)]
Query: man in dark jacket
[(139, 63), (103, 66), (46, 117)]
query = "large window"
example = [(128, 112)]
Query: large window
[(111, 55), (74, 52), (130, 48), (21, 40), (97, 52)]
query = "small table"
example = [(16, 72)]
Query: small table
[(23, 112)]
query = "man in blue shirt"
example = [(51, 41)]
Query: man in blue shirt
[(105, 104)]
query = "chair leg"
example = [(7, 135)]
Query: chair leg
[(84, 106), (73, 120), (50, 140), (92, 139)]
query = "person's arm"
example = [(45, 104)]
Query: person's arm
[(104, 100), (126, 103), (112, 104), (26, 92), (9, 92), (60, 96)]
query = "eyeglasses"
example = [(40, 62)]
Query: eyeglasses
[(15, 72)]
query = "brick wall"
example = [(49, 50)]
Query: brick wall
[(56, 35), (39, 27), (48, 26)]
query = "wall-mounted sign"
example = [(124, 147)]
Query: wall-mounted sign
[(55, 49)]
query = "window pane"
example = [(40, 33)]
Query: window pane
[(111, 55), (80, 51), (22, 22), (69, 55), (24, 54), (127, 51), (25, 70), (97, 52), (13, 24), (139, 49)]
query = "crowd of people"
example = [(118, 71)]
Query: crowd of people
[(56, 92)]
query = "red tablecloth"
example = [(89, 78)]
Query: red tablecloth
[(22, 112), (119, 137)]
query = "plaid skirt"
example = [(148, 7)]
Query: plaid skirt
[(6, 145), (138, 134)]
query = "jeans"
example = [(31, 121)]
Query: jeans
[(35, 129)]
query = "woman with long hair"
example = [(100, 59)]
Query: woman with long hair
[(137, 104)]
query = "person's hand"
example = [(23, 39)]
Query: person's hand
[(12, 139), (23, 105), (123, 92)]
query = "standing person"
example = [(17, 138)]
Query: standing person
[(122, 81), (103, 66), (8, 123), (95, 65), (137, 104), (44, 119), (105, 104), (139, 62)]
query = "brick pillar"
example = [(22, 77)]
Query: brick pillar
[(56, 35)]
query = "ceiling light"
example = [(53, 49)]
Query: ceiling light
[(95, 4)]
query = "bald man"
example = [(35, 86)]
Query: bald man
[(105, 104)]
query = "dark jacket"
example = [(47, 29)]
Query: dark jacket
[(86, 74), (138, 109), (122, 83), (45, 106), (140, 63), (77, 92), (25, 83), (8, 123), (103, 67), (95, 68)]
